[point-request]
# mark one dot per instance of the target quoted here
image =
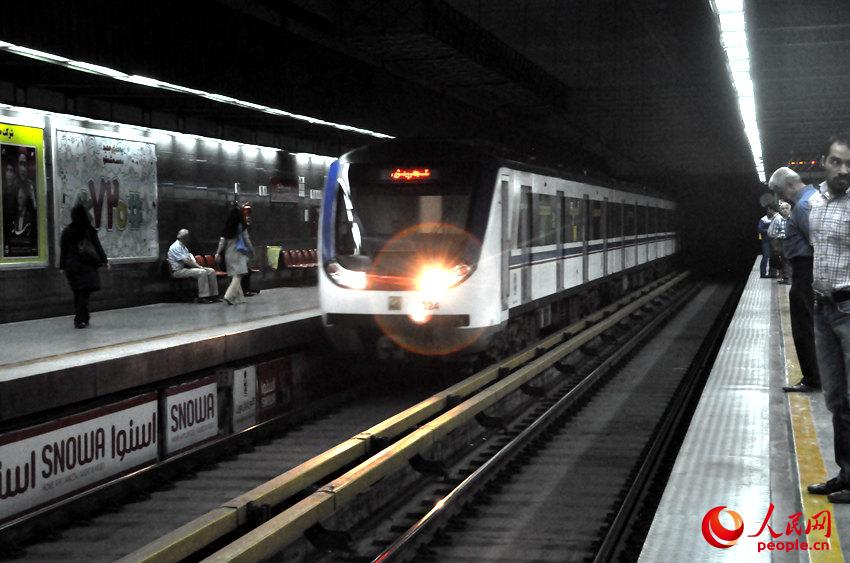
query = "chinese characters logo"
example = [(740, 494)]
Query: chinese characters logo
[(719, 536)]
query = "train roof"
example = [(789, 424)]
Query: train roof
[(412, 152)]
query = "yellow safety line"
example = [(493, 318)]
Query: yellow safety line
[(810, 464)]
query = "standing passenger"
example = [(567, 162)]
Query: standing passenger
[(763, 226), (798, 250), (236, 244), (830, 230), (777, 233), (80, 255)]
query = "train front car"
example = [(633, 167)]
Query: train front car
[(406, 262)]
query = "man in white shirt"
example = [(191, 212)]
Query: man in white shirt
[(184, 265)]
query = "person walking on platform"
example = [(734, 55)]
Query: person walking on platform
[(763, 226), (80, 256), (798, 251), (236, 245), (830, 231), (184, 265)]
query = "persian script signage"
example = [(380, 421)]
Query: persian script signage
[(51, 461), (274, 387), (115, 179), (23, 201), (244, 398)]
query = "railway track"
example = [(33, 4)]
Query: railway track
[(347, 490), (574, 481), (107, 533)]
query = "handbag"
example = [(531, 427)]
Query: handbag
[(88, 252), (241, 247)]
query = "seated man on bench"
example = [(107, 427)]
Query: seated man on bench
[(184, 265)]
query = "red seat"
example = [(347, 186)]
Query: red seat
[(211, 263), (200, 260), (287, 258), (314, 256)]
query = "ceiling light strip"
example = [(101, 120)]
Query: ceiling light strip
[(733, 36), (152, 134), (154, 83)]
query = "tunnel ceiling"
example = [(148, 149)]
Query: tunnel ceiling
[(638, 88)]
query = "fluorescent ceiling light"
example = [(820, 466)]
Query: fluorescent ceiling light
[(33, 54), (733, 36), (25, 115), (144, 81), (154, 83), (96, 69)]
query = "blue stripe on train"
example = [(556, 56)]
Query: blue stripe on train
[(331, 186)]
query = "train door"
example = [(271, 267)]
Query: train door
[(504, 200), (560, 221), (524, 237), (604, 236), (585, 247)]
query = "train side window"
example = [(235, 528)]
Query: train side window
[(595, 220), (653, 219), (615, 219), (629, 220), (543, 220), (641, 219), (345, 245), (572, 224), (524, 235)]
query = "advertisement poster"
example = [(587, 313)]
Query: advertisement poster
[(191, 414), (115, 179), (54, 460), (244, 398), (274, 388), (23, 236)]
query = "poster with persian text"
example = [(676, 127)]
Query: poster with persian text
[(115, 180), (23, 218)]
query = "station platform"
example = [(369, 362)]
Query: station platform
[(46, 363), (753, 449)]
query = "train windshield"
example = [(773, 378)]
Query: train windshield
[(425, 210)]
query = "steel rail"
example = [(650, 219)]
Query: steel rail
[(274, 535), (230, 516), (445, 507)]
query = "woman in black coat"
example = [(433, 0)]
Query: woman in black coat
[(80, 255)]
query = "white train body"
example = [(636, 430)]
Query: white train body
[(515, 244)]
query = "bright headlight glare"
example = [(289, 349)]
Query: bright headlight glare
[(417, 313), (346, 278), (437, 278)]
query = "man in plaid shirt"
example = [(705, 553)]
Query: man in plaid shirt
[(830, 231)]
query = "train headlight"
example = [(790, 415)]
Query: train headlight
[(439, 278), (417, 313), (346, 278)]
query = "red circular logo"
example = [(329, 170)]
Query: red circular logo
[(716, 534)]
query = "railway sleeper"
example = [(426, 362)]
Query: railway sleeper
[(490, 421), (428, 466), (323, 538)]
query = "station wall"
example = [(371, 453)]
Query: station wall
[(197, 180)]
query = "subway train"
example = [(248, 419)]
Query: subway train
[(440, 249)]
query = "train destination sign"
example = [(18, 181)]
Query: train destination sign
[(410, 174)]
